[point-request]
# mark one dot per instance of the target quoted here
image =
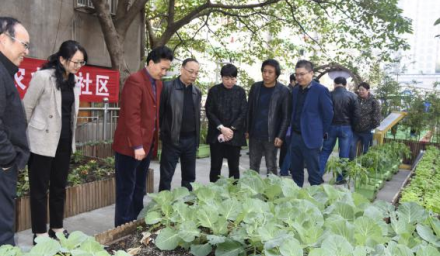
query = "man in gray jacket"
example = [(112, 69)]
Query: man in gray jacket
[(14, 149)]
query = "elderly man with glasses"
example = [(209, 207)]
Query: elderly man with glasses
[(180, 125), (14, 148)]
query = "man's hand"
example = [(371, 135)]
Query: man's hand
[(139, 154), (227, 132), (278, 142)]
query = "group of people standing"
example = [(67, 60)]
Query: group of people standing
[(304, 119), (39, 131)]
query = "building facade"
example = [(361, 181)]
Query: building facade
[(421, 64), (51, 22)]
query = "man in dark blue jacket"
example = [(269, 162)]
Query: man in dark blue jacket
[(312, 115)]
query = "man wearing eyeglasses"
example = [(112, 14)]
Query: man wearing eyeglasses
[(14, 149), (180, 125), (312, 115)]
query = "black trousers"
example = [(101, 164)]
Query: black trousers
[(131, 186), (220, 151), (186, 151), (49, 173), (8, 193)]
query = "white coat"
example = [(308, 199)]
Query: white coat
[(42, 104)]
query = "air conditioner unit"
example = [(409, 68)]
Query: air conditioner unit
[(88, 5)]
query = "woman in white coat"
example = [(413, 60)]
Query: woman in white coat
[(51, 104)]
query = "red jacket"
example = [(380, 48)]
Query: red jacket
[(138, 123)]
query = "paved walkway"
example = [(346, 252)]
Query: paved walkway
[(100, 220)]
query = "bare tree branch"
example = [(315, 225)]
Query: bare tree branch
[(171, 13), (123, 23), (172, 28), (122, 8), (333, 66), (151, 36)]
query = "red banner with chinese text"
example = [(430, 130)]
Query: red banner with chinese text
[(96, 83)]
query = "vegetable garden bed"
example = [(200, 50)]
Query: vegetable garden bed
[(272, 216), (368, 173), (423, 187)]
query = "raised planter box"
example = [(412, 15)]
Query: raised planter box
[(100, 150), (414, 146), (113, 235), (81, 198)]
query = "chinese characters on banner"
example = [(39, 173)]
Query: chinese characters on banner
[(96, 83)]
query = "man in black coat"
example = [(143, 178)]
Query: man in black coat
[(346, 115), (180, 125), (226, 108), (268, 117), (14, 149)]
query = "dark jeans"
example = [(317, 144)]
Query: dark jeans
[(344, 135), (258, 148), (366, 139), (131, 179), (283, 151), (186, 151), (285, 166), (8, 193), (49, 173), (300, 154), (220, 151)]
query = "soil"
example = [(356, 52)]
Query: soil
[(134, 241), (91, 175)]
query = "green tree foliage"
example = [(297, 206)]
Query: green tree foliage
[(362, 25), (260, 27)]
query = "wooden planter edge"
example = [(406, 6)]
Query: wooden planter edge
[(79, 199)]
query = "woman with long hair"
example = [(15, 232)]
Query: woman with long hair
[(51, 104)]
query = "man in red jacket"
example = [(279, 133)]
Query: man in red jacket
[(136, 135)]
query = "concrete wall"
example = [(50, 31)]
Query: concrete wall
[(50, 22)]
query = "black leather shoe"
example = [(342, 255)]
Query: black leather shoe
[(33, 240), (52, 234), (341, 182)]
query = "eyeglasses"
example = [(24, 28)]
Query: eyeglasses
[(25, 44), (301, 74), (192, 72), (78, 63)]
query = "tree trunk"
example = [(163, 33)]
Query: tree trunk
[(113, 40)]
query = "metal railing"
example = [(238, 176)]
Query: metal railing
[(99, 123), (96, 123)]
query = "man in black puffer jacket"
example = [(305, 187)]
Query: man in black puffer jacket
[(346, 115)]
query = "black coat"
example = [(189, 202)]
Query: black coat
[(171, 111), (280, 109), (345, 107), (227, 107), (14, 148)]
